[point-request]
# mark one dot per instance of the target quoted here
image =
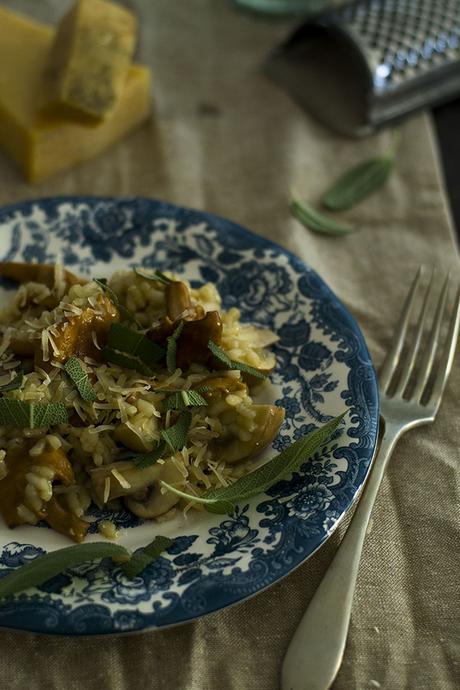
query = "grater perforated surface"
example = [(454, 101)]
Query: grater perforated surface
[(403, 40)]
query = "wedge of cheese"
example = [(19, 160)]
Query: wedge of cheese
[(45, 145), (92, 51)]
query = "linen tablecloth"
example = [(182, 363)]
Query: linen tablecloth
[(224, 139)]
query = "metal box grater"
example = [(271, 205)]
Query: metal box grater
[(390, 56)]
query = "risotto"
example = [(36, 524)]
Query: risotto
[(110, 388)]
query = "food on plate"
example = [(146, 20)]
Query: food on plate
[(42, 142), (112, 389), (92, 51)]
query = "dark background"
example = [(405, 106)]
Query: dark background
[(447, 120)]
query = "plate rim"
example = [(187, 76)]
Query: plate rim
[(257, 240)]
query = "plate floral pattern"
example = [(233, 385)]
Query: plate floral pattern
[(323, 368)]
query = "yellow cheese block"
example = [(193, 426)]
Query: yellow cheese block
[(92, 51), (43, 146)]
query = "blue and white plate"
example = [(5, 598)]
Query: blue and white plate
[(323, 368)]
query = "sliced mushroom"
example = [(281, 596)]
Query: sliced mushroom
[(258, 337), (13, 491), (268, 420), (267, 363), (75, 335), (178, 308), (24, 347), (65, 522), (192, 346), (177, 296), (152, 502), (36, 273), (141, 438), (220, 386), (161, 332), (142, 485), (198, 329)]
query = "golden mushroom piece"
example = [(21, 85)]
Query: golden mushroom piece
[(14, 491), (75, 335), (198, 326), (268, 419), (36, 273), (140, 487)]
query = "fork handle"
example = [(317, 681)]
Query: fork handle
[(315, 652)]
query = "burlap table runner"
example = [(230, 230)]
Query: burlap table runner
[(224, 139)]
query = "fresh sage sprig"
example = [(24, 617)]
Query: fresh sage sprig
[(124, 312), (171, 348), (358, 183), (317, 222), (43, 568), (25, 415), (157, 276), (224, 499), (132, 350), (232, 363), (14, 384), (145, 556), (134, 344), (174, 438), (80, 379), (183, 399), (143, 460), (176, 435)]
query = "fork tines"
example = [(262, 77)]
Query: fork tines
[(421, 355)]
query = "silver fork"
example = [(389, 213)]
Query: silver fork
[(316, 650)]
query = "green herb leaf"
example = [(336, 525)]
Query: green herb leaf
[(144, 460), (132, 343), (26, 415), (137, 351), (125, 313), (145, 556), (121, 360), (224, 500), (171, 348), (358, 183), (176, 435), (43, 568), (80, 378), (233, 364), (14, 384), (157, 276), (183, 399), (316, 221)]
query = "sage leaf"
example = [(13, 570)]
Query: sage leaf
[(43, 568), (224, 499), (171, 348), (25, 415), (174, 438), (358, 183), (125, 313), (80, 379), (143, 460), (183, 399), (124, 361), (133, 343), (145, 556), (233, 364), (132, 350), (317, 222), (176, 435), (14, 384), (156, 276)]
